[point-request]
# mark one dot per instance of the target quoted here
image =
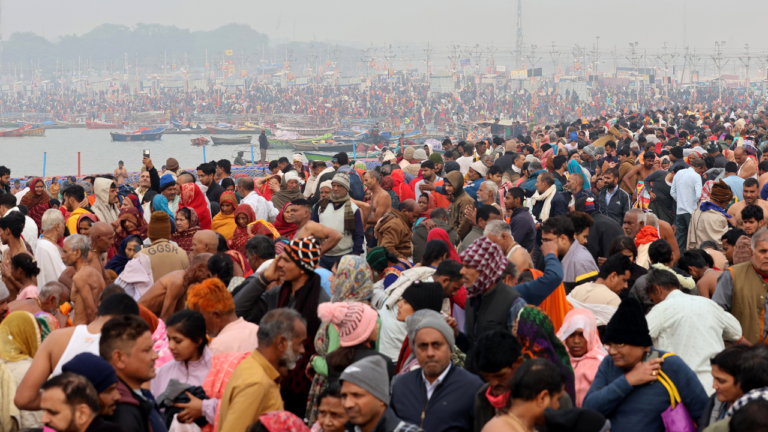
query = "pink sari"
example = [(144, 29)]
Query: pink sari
[(584, 367)]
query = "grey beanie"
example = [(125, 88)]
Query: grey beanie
[(436, 321), (369, 373)]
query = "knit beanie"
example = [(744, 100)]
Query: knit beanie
[(370, 374), (436, 158), (480, 168), (171, 164), (436, 321), (377, 258), (342, 179), (304, 252), (451, 166), (628, 325), (420, 154), (424, 295), (354, 321), (575, 419), (408, 153), (94, 368), (159, 226), (166, 181)]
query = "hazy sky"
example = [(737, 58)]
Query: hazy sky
[(413, 23)]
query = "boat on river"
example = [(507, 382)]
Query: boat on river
[(143, 134), (218, 140), (102, 125)]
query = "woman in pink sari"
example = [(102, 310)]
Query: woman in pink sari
[(579, 334)]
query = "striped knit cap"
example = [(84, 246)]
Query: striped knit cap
[(304, 252), (488, 259)]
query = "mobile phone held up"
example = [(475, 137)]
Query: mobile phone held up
[(146, 153)]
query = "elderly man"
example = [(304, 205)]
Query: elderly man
[(499, 232), (394, 231), (164, 256), (709, 222), (340, 213), (619, 391), (106, 204), (47, 253), (476, 176), (448, 402), (87, 283), (677, 316), (263, 209), (742, 290), (255, 385), (746, 165), (205, 241), (144, 185), (483, 215), (301, 290), (575, 190), (547, 202)]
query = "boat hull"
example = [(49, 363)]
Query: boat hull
[(200, 141), (34, 132), (224, 131), (100, 125), (344, 147), (145, 136), (231, 141)]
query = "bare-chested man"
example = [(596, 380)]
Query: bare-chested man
[(301, 215), (101, 236), (695, 262), (87, 283), (205, 241), (751, 192), (381, 202), (168, 295), (747, 165), (121, 174), (639, 172), (11, 226), (62, 345)]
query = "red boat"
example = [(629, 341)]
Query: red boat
[(200, 141), (102, 125), (15, 132)]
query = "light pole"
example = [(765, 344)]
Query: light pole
[(718, 63)]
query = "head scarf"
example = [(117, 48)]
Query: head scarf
[(575, 168), (721, 192), (387, 182), (431, 205), (193, 197), (90, 216), (225, 224), (285, 228), (537, 336), (160, 203), (47, 323), (133, 200), (401, 188), (240, 236), (282, 421), (19, 337), (119, 261), (585, 320), (441, 234), (488, 259), (131, 214), (31, 199), (239, 260), (184, 238)]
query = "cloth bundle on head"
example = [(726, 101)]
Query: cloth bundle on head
[(291, 175), (436, 158), (166, 181), (298, 157), (721, 192), (377, 258), (628, 325), (370, 374), (488, 259), (94, 368), (159, 226), (171, 164), (342, 179), (436, 321), (420, 154), (388, 156), (282, 421), (451, 166), (480, 168), (304, 252), (424, 295), (354, 321)]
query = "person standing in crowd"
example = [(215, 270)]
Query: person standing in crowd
[(5, 180), (126, 343), (498, 231), (548, 203), (254, 387), (726, 367), (580, 337), (613, 202), (520, 220), (340, 213), (686, 191), (105, 206), (263, 209), (36, 200), (263, 147), (101, 375), (394, 232), (578, 264), (19, 343), (453, 187), (87, 283), (70, 404), (709, 222), (47, 252), (482, 215), (206, 173), (601, 297), (164, 256), (497, 355), (619, 391)]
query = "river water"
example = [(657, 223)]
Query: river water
[(99, 154)]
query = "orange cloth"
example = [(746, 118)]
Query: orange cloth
[(556, 306), (646, 235)]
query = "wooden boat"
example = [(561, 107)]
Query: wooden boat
[(217, 140), (330, 147), (200, 141), (102, 125), (40, 131), (228, 131), (13, 133), (139, 135), (186, 131), (307, 131), (327, 157)]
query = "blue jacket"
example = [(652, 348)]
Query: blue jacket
[(451, 407), (472, 188), (639, 409), (530, 185), (536, 291)]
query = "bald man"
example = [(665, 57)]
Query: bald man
[(168, 295), (205, 241), (747, 166)]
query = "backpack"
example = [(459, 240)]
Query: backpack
[(356, 188)]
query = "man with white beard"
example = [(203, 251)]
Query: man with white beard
[(254, 387)]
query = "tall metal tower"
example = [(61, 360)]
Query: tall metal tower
[(519, 41)]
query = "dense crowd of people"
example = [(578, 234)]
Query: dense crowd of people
[(605, 274)]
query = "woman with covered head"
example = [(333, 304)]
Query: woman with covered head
[(19, 342), (352, 282), (709, 222), (37, 201), (187, 225), (194, 199), (579, 334), (224, 222), (130, 223)]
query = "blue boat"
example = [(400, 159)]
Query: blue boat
[(140, 135)]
